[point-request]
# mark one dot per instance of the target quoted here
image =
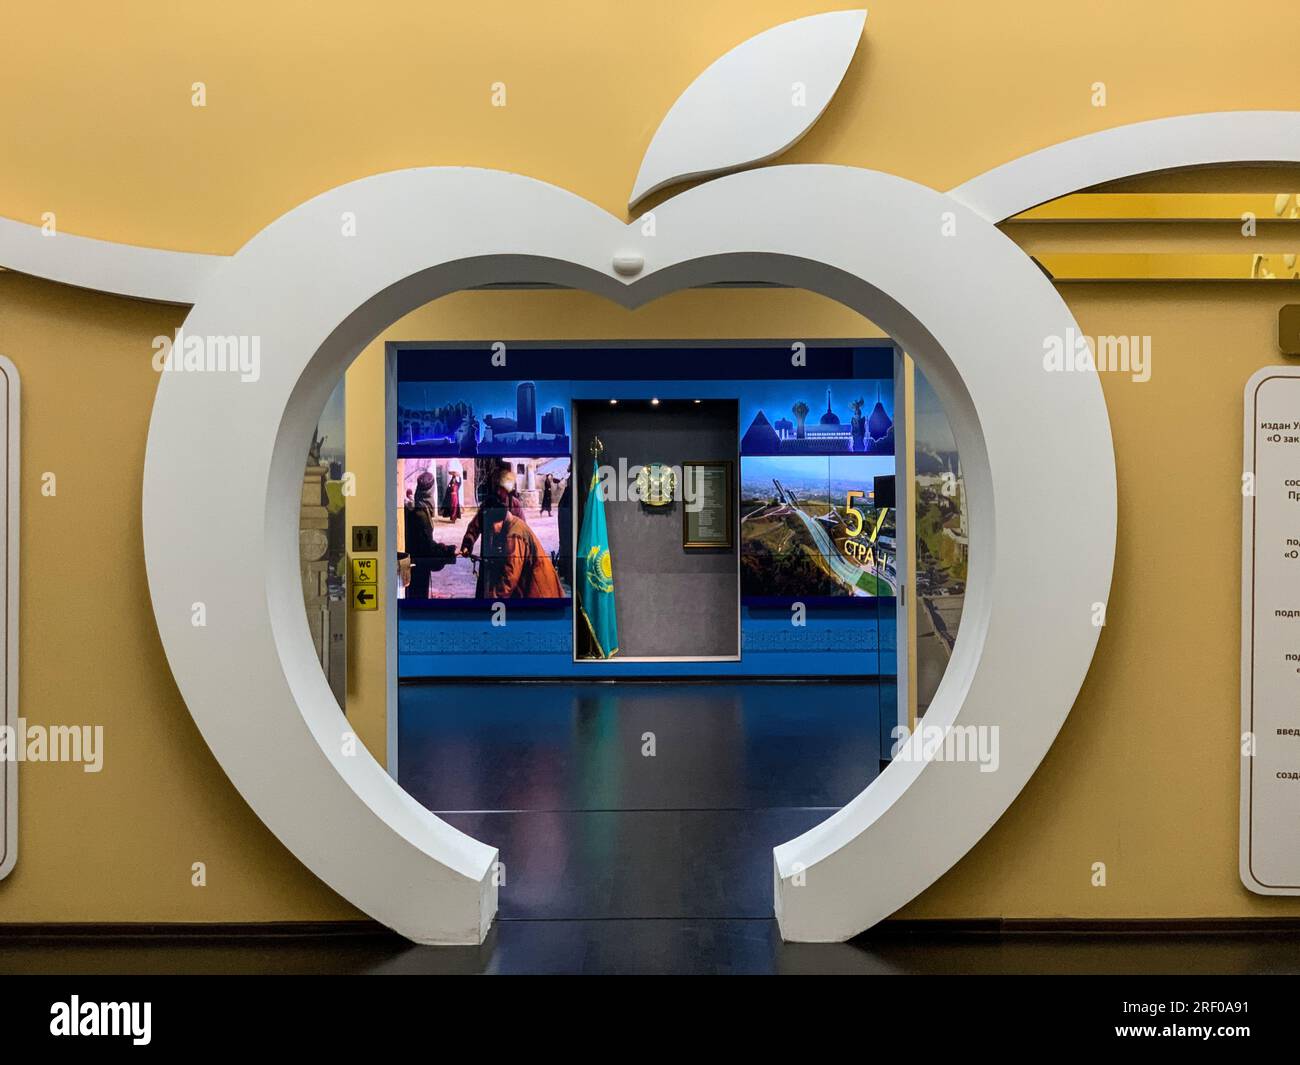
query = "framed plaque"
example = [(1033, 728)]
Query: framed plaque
[(708, 509), (1270, 636)]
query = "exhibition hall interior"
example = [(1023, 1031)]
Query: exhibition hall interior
[(746, 488), (681, 643)]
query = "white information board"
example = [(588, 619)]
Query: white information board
[(9, 614), (1270, 634)]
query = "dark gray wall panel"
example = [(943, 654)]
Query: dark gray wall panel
[(671, 602)]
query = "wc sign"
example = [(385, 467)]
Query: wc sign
[(9, 614)]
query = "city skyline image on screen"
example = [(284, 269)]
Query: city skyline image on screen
[(468, 418), (810, 527)]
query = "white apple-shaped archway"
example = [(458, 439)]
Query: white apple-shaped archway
[(224, 461), (224, 456)]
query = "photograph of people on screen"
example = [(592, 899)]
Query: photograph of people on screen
[(485, 528)]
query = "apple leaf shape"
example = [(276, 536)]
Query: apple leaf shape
[(753, 103)]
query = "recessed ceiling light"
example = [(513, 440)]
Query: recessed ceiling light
[(654, 402), (613, 403)]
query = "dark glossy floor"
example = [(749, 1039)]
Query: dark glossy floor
[(591, 827), (641, 946), (621, 863)]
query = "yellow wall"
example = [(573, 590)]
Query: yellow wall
[(302, 97), (1144, 775), (117, 845)]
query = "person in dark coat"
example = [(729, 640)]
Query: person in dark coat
[(547, 488), (501, 492), (420, 517), (515, 565), (451, 498), (504, 490)]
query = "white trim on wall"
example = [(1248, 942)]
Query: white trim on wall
[(1209, 139), (105, 266), (1212, 139), (10, 409)]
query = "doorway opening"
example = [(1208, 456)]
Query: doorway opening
[(648, 607)]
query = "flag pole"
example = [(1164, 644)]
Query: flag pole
[(594, 447), (593, 571)]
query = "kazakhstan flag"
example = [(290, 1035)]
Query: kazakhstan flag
[(595, 574)]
